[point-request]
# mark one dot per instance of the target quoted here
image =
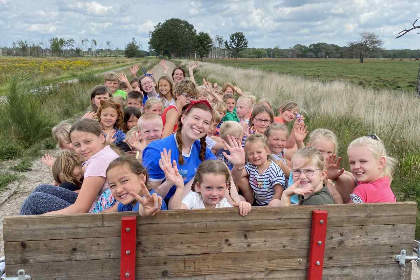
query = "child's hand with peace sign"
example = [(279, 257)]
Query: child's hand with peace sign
[(149, 204)]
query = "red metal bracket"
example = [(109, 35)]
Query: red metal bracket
[(128, 248), (317, 246)]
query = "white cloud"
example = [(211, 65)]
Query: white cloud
[(96, 8), (44, 14), (348, 27), (42, 28), (146, 27)]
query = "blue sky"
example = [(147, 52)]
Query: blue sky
[(265, 23)]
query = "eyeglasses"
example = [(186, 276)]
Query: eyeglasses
[(307, 172), (262, 120)]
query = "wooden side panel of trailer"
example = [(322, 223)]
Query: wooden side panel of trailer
[(271, 243)]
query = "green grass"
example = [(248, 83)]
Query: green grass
[(23, 165), (5, 179), (375, 73)]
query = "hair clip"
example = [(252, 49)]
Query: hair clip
[(147, 74), (373, 136)]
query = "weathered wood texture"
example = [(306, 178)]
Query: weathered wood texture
[(270, 243)]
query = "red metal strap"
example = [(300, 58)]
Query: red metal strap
[(317, 246), (128, 248)]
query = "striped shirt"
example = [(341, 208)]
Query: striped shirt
[(263, 184)]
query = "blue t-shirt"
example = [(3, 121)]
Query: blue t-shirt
[(151, 156), (220, 156), (135, 207)]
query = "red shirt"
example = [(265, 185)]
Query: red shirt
[(279, 120), (164, 116)]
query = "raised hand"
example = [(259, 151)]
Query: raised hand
[(300, 131), (110, 139), (123, 78), (48, 160), (90, 116), (237, 153), (171, 170), (332, 164), (151, 204), (134, 69), (193, 66), (135, 143), (164, 66), (238, 90)]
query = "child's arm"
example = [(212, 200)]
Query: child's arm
[(165, 67), (191, 71), (113, 209), (344, 181), (134, 69), (87, 195), (123, 78), (238, 90), (171, 121), (278, 191), (334, 193), (172, 175), (209, 89)]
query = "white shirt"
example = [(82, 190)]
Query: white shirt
[(193, 200)]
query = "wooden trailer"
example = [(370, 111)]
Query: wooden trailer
[(305, 242)]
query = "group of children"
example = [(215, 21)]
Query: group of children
[(148, 146)]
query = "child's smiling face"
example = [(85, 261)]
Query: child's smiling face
[(122, 180), (230, 102), (364, 166), (212, 189), (308, 173)]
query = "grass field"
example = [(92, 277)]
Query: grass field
[(396, 74), (52, 69)]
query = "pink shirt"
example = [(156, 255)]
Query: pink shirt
[(374, 192), (98, 163)]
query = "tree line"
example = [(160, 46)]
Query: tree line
[(179, 38)]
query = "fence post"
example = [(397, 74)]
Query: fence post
[(317, 245), (128, 248)]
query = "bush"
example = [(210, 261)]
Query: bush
[(27, 117)]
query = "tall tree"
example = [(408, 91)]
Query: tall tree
[(203, 44), (366, 45), (57, 45), (237, 42), (132, 49), (174, 37)]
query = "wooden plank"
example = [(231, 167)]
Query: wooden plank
[(238, 241), (211, 243), (371, 272), (102, 225)]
